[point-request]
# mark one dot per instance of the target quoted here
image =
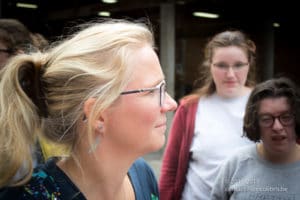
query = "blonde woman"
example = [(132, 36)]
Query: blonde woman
[(100, 93)]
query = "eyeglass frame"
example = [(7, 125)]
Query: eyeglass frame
[(225, 67), (161, 87), (280, 118)]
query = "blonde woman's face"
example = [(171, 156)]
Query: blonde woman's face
[(137, 122), (229, 69)]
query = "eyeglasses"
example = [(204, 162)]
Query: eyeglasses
[(225, 67), (161, 87), (267, 121)]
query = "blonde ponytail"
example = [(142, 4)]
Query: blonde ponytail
[(20, 117)]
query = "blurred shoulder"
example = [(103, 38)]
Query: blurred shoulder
[(242, 155), (141, 164), (11, 193), (189, 100), (40, 186), (143, 180)]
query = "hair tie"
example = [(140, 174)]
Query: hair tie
[(31, 83)]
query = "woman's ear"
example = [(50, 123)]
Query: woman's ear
[(88, 106), (87, 109)]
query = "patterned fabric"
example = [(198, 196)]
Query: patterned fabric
[(43, 187), (48, 182)]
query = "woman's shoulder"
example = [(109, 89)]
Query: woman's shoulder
[(189, 100), (40, 186), (143, 180), (241, 156), (187, 103), (11, 193), (141, 166)]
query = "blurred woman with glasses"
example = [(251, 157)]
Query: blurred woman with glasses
[(100, 93), (14, 38), (207, 126), (270, 168)]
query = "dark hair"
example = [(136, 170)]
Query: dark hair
[(273, 88), (226, 39), (15, 35)]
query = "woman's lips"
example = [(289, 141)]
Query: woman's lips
[(278, 138), (161, 125), (230, 83)]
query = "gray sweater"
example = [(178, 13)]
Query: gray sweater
[(246, 176)]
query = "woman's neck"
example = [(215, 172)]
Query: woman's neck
[(98, 182), (243, 91), (276, 158)]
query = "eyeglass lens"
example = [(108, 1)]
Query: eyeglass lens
[(268, 120), (225, 66)]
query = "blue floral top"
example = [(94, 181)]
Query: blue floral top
[(49, 182)]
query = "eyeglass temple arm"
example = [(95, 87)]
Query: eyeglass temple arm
[(138, 91)]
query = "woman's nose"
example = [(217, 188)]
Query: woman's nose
[(169, 104)]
